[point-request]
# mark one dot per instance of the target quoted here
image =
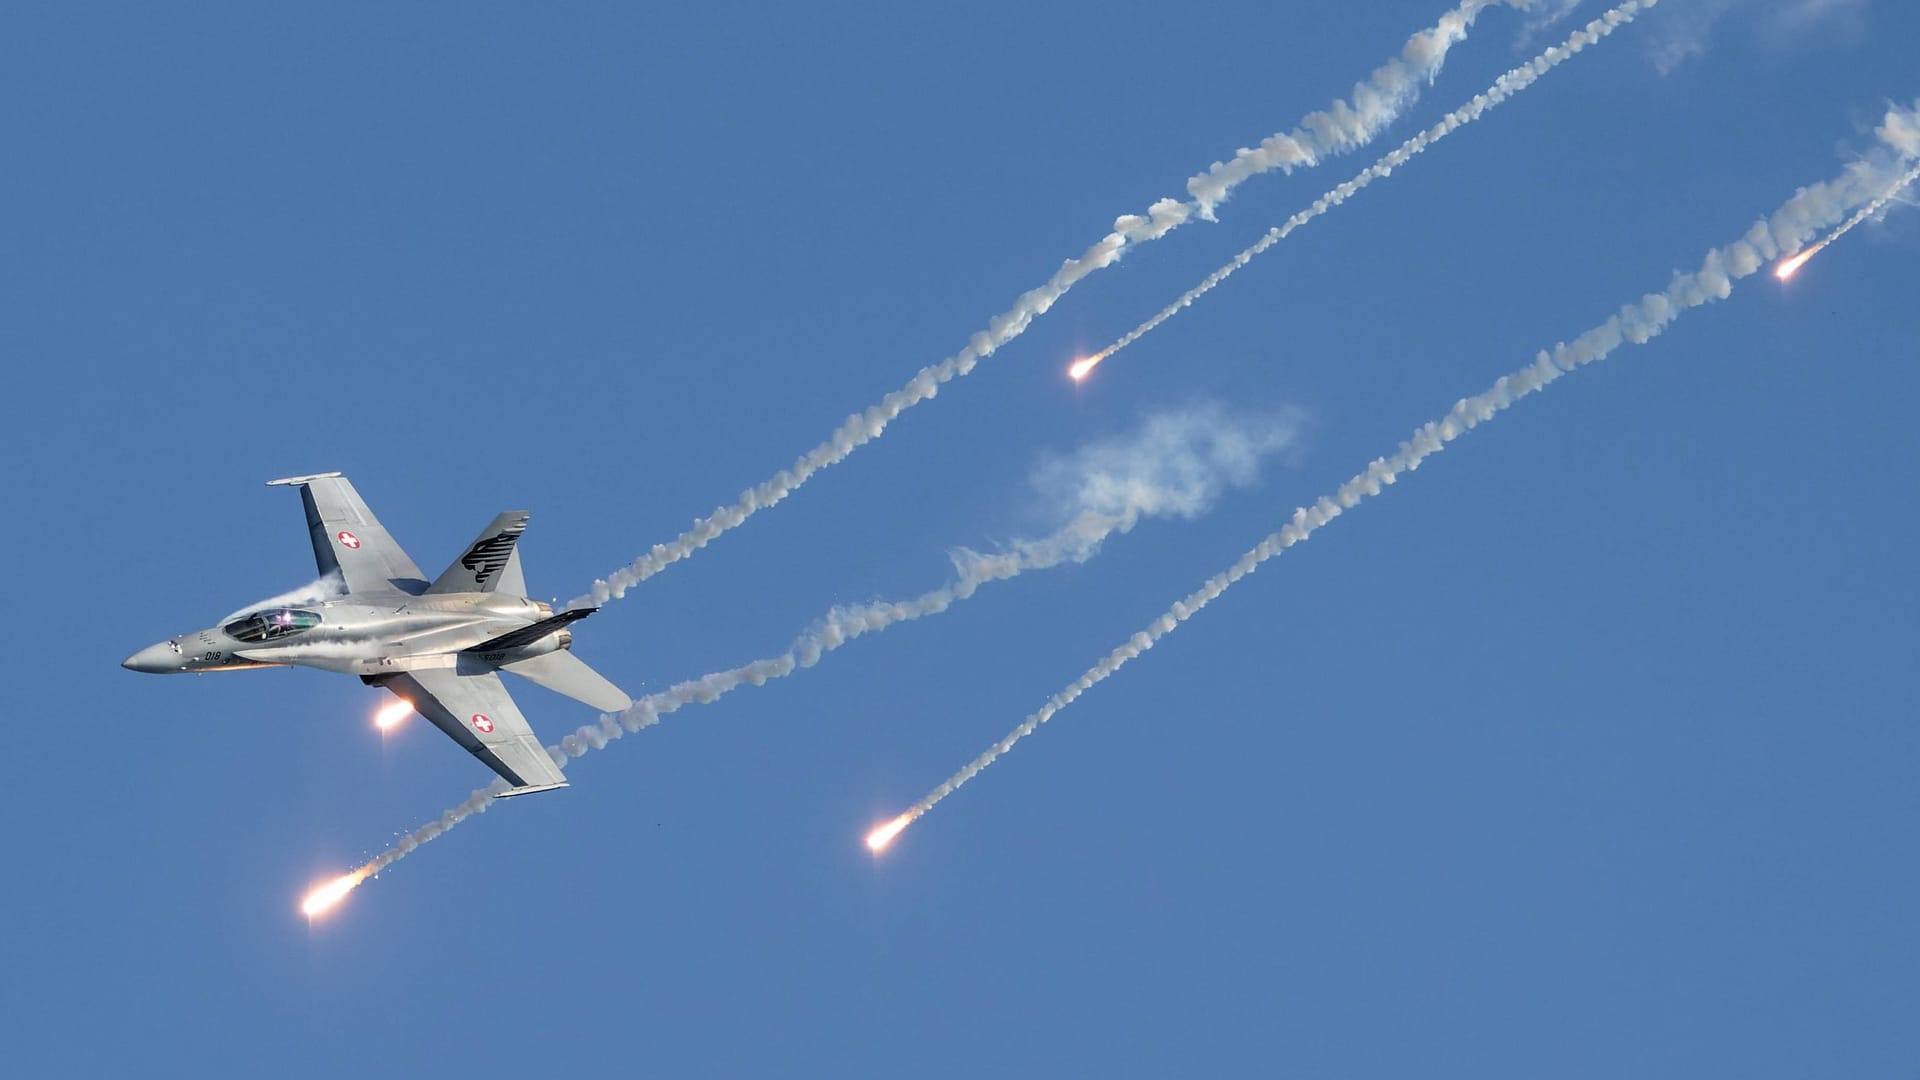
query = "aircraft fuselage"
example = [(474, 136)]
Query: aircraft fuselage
[(363, 634), (437, 644)]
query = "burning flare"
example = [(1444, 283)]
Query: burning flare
[(323, 899), (1788, 267), (1084, 366), (391, 714), (879, 838)]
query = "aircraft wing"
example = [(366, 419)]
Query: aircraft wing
[(477, 712), (350, 541)]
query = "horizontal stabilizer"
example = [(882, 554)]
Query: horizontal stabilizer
[(527, 635), (565, 673)]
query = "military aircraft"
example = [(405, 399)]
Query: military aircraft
[(437, 645)]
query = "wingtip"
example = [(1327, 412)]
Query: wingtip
[(302, 479), (530, 789)]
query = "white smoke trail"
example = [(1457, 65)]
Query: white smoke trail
[(1345, 127), (1873, 207), (1176, 465), (1543, 15), (1810, 210), (1503, 88), (1341, 127), (1789, 267), (326, 587)]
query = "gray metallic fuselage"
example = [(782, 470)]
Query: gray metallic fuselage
[(439, 645), (367, 634)]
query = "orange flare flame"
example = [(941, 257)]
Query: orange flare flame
[(1084, 366), (1790, 266), (879, 838), (324, 898), (391, 714)]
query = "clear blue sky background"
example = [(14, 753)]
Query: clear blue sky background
[(1588, 751)]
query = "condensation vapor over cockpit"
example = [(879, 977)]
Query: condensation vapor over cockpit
[(271, 625)]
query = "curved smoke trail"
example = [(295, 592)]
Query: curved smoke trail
[(1503, 88), (1176, 465), (1342, 127), (1789, 228)]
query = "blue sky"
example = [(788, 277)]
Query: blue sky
[(1587, 750)]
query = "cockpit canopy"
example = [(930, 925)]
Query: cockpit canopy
[(271, 624)]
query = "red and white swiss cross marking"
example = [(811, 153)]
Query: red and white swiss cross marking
[(481, 722), (347, 539)]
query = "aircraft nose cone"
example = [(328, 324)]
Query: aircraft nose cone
[(153, 659)]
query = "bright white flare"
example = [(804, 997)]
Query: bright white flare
[(325, 897), (1084, 366), (1789, 267), (1503, 88), (880, 837), (1340, 128), (1809, 211), (391, 714)]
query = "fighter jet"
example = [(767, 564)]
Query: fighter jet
[(437, 645)]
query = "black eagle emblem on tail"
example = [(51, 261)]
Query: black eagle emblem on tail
[(488, 557)]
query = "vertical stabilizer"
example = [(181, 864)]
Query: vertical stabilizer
[(491, 563)]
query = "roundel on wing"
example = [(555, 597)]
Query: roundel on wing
[(482, 724), (347, 539)]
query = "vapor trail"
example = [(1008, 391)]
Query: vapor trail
[(1791, 266), (1176, 465), (1873, 207), (1503, 88), (1809, 211), (326, 587), (1342, 127)]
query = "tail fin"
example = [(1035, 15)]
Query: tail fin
[(492, 563)]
